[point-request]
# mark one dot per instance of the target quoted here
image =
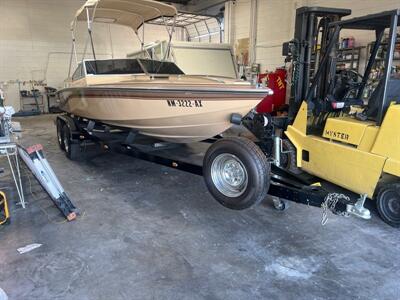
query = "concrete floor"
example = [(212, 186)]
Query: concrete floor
[(150, 232)]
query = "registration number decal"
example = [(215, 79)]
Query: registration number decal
[(185, 103)]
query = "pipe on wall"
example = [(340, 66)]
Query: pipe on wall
[(253, 31)]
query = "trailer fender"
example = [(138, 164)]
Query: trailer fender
[(69, 121)]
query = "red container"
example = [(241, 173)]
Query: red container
[(277, 82)]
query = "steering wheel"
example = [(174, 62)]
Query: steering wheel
[(346, 84), (350, 77)]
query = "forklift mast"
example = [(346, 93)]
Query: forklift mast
[(311, 31)]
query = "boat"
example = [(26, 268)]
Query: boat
[(151, 97)]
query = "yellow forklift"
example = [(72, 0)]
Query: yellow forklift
[(345, 126), (4, 213)]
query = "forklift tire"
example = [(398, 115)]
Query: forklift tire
[(289, 158), (72, 150), (60, 134), (388, 204), (236, 172)]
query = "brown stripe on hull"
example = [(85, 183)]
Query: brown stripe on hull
[(165, 93)]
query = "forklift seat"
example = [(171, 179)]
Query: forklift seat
[(393, 90), (392, 93), (371, 111)]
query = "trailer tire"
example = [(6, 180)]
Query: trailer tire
[(60, 134), (72, 149), (289, 157), (236, 172), (388, 204)]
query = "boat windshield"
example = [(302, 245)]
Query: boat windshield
[(131, 66), (160, 67)]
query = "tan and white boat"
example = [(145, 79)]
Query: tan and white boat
[(152, 97)]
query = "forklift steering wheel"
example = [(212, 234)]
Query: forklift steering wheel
[(351, 77)]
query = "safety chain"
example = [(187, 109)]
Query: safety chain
[(330, 203)]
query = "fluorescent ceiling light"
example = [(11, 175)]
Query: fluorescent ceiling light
[(105, 20), (204, 35)]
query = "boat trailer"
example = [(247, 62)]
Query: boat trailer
[(283, 187)]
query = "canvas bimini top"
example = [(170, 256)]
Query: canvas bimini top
[(131, 13)]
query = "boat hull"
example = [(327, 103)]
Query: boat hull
[(179, 116)]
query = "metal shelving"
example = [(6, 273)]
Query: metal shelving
[(349, 58), (31, 102), (380, 57)]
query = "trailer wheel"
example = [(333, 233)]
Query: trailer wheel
[(72, 150), (289, 158), (388, 204), (60, 134), (236, 172)]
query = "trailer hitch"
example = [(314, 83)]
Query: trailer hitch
[(358, 208)]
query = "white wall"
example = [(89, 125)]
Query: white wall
[(241, 19), (35, 42), (275, 23), (358, 8)]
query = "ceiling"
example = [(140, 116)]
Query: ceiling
[(209, 7), (183, 2)]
